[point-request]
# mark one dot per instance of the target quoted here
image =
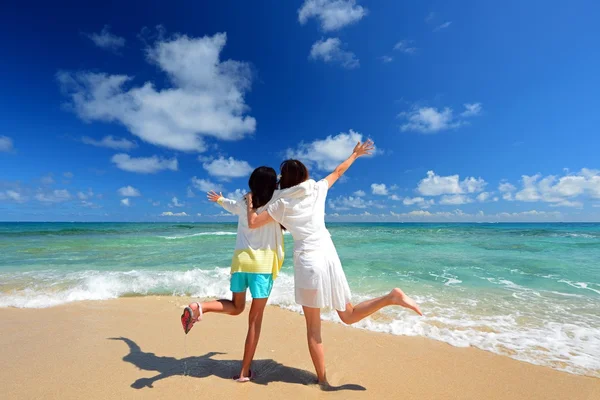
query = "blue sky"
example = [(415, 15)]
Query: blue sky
[(479, 112)]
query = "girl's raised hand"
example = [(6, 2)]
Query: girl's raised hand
[(213, 196), (363, 149)]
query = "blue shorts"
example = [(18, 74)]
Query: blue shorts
[(260, 284)]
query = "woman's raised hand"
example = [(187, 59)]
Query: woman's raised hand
[(213, 196), (363, 149)]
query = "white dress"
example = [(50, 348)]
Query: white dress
[(319, 279)]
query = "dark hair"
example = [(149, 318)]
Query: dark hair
[(293, 173), (262, 183)]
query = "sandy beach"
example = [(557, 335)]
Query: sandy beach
[(135, 348)]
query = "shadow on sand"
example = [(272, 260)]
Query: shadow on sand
[(266, 371)]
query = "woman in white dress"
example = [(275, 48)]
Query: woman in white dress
[(319, 279)]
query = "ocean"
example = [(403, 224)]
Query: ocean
[(527, 291)]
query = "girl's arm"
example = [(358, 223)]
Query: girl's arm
[(230, 205), (256, 220), (361, 149)]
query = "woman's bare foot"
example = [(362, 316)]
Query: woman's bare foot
[(398, 298)]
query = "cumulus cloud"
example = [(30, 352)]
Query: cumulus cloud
[(106, 40), (54, 196), (379, 189), (129, 191), (204, 185), (47, 179), (330, 51), (226, 168), (471, 110), (345, 203), (205, 96), (144, 165), (460, 216), (360, 193), (172, 214), (405, 46), (110, 142), (175, 203), (442, 26), (559, 191), (328, 153), (6, 144), (236, 195), (13, 195), (418, 201), (386, 59), (455, 199), (430, 120), (332, 14), (436, 185), (85, 195), (125, 202)]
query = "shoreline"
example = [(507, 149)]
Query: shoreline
[(135, 347)]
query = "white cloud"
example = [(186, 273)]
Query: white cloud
[(455, 199), (483, 196), (418, 201), (225, 168), (395, 197), (190, 192), (360, 193), (238, 194), (55, 196), (386, 59), (442, 26), (431, 120), (129, 191), (175, 203), (560, 192), (471, 109), (333, 14), (85, 196), (435, 185), (405, 46), (379, 189), (110, 142), (460, 216), (346, 203), (12, 195), (330, 51), (47, 179), (205, 98), (106, 40), (205, 185), (6, 144), (199, 214), (172, 214), (125, 202), (328, 153), (144, 165)]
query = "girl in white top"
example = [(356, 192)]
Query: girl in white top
[(256, 261), (318, 275)]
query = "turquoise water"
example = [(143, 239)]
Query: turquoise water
[(529, 291)]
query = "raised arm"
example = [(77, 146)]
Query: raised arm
[(230, 205), (361, 149), (256, 220)]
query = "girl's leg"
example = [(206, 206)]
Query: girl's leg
[(235, 306), (254, 325), (315, 344), (396, 297)]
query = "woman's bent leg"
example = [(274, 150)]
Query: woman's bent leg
[(235, 306), (255, 318), (315, 343), (396, 297)]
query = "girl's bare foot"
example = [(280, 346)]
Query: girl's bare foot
[(398, 298)]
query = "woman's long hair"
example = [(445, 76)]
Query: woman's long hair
[(262, 183), (293, 173)]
